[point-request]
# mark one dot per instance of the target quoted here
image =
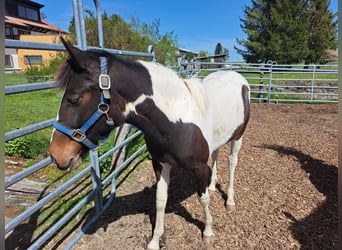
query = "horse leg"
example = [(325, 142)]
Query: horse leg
[(157, 167), (161, 199), (203, 176), (213, 180), (233, 159)]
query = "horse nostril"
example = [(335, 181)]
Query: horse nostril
[(54, 162)]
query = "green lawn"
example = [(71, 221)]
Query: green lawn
[(25, 109), (29, 108), (15, 78)]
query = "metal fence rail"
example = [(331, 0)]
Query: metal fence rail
[(271, 82), (98, 185), (266, 86)]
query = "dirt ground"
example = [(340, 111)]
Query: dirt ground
[(285, 192)]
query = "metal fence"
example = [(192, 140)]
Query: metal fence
[(272, 82), (269, 83), (98, 184)]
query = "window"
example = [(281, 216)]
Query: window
[(21, 11), (28, 13), (23, 32), (8, 31), (8, 61), (32, 14), (33, 59)]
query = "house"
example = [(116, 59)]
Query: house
[(23, 21), (182, 53), (218, 59)]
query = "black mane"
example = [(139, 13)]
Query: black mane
[(67, 67)]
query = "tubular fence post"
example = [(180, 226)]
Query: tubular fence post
[(313, 83), (150, 50), (80, 24), (96, 179), (99, 24), (179, 65), (261, 86), (270, 84)]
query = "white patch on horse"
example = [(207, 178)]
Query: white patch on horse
[(197, 93), (57, 119), (130, 106), (184, 102), (161, 200), (211, 103)]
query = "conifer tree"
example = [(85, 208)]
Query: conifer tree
[(257, 19), (287, 31), (218, 49), (322, 30)]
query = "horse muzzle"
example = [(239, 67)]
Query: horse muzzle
[(65, 153)]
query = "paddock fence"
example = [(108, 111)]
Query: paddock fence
[(314, 83), (273, 83), (51, 192)]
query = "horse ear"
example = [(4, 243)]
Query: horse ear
[(78, 58)]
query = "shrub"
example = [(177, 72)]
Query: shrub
[(26, 147), (46, 72), (19, 147)]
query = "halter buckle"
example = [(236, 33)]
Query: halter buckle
[(78, 135), (104, 81)]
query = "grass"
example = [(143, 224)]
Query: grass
[(26, 109), (15, 78), (32, 107)]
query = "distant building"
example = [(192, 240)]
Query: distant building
[(181, 52), (219, 59), (23, 21)]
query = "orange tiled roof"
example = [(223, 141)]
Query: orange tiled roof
[(27, 24)]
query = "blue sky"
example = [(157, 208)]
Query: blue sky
[(199, 25)]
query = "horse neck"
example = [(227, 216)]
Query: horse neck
[(130, 80)]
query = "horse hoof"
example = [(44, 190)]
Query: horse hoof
[(207, 240), (150, 248), (208, 233), (153, 246), (230, 208)]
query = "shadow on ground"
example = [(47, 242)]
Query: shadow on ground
[(319, 230)]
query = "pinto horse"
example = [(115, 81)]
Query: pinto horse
[(184, 121)]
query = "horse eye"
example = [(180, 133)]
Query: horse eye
[(74, 100)]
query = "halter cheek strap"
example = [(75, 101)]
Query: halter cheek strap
[(79, 134)]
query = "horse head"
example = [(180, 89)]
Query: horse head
[(89, 110)]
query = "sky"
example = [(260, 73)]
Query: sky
[(198, 24)]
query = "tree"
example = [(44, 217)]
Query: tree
[(133, 36), (285, 31), (255, 26), (322, 31), (165, 46), (219, 50)]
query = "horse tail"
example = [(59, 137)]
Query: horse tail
[(246, 102)]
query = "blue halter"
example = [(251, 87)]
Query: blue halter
[(79, 134)]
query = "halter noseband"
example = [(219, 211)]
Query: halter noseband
[(79, 134)]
